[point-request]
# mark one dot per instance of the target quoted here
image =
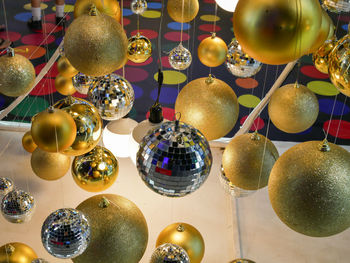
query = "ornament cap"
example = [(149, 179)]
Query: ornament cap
[(324, 146), (9, 249), (213, 35), (255, 136), (180, 228), (209, 80), (296, 85), (51, 109), (93, 10), (156, 113), (104, 202), (10, 52)]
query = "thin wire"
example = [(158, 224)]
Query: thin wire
[(214, 25), (5, 16), (160, 38), (182, 18), (340, 120), (138, 23), (193, 38), (122, 23), (330, 120)]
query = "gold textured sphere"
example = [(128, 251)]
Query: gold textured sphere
[(48, 165), (309, 188), (210, 105), (17, 252), (248, 160), (185, 236), (324, 31), (108, 7), (139, 48), (96, 170), (64, 85), (277, 31), (119, 230), (28, 143), (88, 122), (96, 44), (212, 51), (293, 108), (53, 130), (17, 75), (190, 7), (320, 57), (65, 68)]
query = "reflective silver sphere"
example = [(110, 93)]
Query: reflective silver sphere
[(336, 6), (138, 6), (82, 82), (65, 233), (169, 253), (174, 159), (239, 63), (39, 260), (6, 186), (17, 206), (180, 58)]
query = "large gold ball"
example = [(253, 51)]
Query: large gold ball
[(139, 48), (119, 230), (309, 188), (28, 143), (17, 75), (212, 51), (17, 252), (248, 160), (53, 130), (190, 10), (185, 236), (64, 85), (277, 31), (108, 7), (293, 108), (88, 122), (210, 105), (321, 57), (49, 166), (96, 45), (96, 170), (326, 24), (65, 68)]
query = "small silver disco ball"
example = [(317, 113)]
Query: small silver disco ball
[(6, 186), (169, 253), (180, 58), (82, 82), (138, 7)]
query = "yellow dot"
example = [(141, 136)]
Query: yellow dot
[(210, 18), (151, 14), (322, 88), (29, 7), (67, 8), (248, 100), (172, 77)]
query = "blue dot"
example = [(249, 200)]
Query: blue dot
[(24, 17), (138, 91), (177, 26), (168, 95), (58, 41), (326, 106), (72, 2), (345, 27), (154, 5), (2, 101), (127, 12), (305, 132)]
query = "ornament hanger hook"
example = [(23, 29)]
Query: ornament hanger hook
[(10, 52), (93, 10)]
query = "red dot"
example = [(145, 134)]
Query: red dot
[(201, 37), (133, 74), (79, 95), (45, 86), (37, 39), (176, 36), (344, 128), (344, 18), (126, 21), (52, 73), (247, 83), (13, 36), (52, 18), (165, 62), (151, 34), (209, 28), (209, 1), (312, 72), (168, 113), (148, 61), (49, 28), (257, 125)]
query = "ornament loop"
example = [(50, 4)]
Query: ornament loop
[(10, 52), (213, 35), (9, 249), (324, 146), (255, 136), (93, 10), (210, 79), (180, 228), (104, 202), (50, 109)]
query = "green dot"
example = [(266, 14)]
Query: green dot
[(306, 59), (151, 14), (30, 106), (67, 8), (210, 18), (322, 88), (248, 100), (29, 7), (172, 77)]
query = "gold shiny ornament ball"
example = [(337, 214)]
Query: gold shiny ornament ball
[(53, 130), (96, 44), (119, 230), (17, 252), (210, 105), (324, 31), (212, 51), (309, 188), (108, 7), (17, 75), (277, 31), (248, 160), (190, 10), (242, 260), (64, 85), (96, 170), (185, 236), (65, 68), (28, 142), (139, 48), (321, 57), (293, 108)]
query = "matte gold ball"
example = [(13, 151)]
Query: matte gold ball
[(309, 188), (185, 236), (210, 105), (139, 48), (17, 252), (321, 57), (65, 68), (190, 7), (53, 130), (293, 108), (28, 143), (277, 31), (96, 170), (64, 85), (108, 7), (119, 230), (96, 45), (17, 75), (248, 160), (212, 51), (326, 24), (48, 165)]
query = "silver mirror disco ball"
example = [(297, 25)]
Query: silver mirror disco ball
[(112, 95), (82, 82), (336, 6), (174, 159), (17, 206), (169, 253), (138, 6), (65, 233), (39, 260), (180, 58), (6, 186)]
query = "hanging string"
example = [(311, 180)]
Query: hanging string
[(182, 19), (160, 38), (5, 16), (122, 23), (138, 23), (214, 25), (340, 120)]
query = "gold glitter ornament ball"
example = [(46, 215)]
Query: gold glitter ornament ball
[(293, 108), (139, 48), (210, 105), (212, 51), (309, 188), (17, 75), (64, 85), (28, 143), (321, 57), (48, 165), (17, 252), (108, 7), (185, 236), (248, 160), (119, 230), (96, 170), (65, 68), (53, 130), (190, 10), (96, 44)]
